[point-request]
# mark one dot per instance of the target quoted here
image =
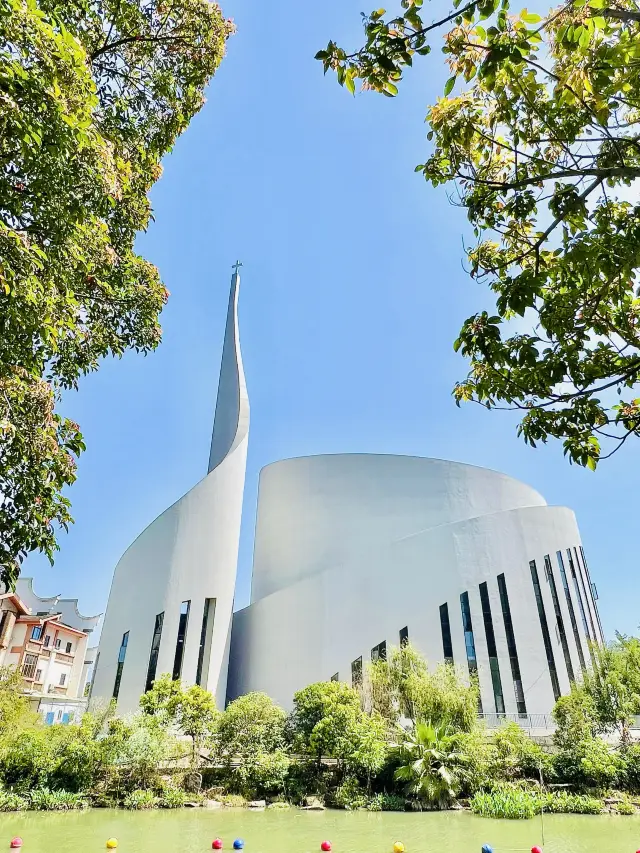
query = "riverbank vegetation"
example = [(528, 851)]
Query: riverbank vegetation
[(409, 738)]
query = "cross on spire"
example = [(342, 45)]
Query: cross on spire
[(236, 266)]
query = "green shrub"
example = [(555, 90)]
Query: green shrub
[(235, 801), (513, 803), (630, 775), (172, 798), (349, 796), (625, 808), (140, 799), (42, 799), (11, 802), (561, 802), (590, 764), (386, 803), (279, 805)]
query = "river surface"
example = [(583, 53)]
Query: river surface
[(293, 831)]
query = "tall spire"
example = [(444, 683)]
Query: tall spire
[(231, 421)]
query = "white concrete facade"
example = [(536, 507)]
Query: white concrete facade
[(171, 600), (351, 549)]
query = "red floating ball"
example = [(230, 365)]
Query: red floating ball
[(16, 842), (326, 846), (536, 849), (216, 844)]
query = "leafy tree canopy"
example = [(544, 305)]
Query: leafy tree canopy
[(93, 93), (539, 133)]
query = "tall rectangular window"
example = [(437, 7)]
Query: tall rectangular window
[(594, 592), (445, 627), (588, 601), (93, 675), (335, 676), (576, 585), (511, 646), (121, 656), (494, 666), (469, 641), (559, 619), (551, 662), (404, 637), (182, 633), (572, 615), (379, 652), (206, 633), (36, 632), (155, 650), (29, 666), (356, 673)]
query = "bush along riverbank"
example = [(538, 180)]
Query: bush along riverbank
[(408, 738)]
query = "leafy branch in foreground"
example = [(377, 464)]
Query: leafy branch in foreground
[(539, 133), (92, 94)]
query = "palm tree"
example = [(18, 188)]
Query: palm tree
[(432, 765)]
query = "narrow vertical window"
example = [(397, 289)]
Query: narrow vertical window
[(206, 633), (587, 597), (572, 615), (379, 652), (335, 676), (445, 627), (559, 619), (93, 675), (494, 666), (121, 656), (551, 663), (356, 673), (594, 592), (469, 641), (155, 650), (182, 633), (576, 586), (511, 646), (404, 637)]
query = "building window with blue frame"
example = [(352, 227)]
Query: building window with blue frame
[(546, 638), (36, 632)]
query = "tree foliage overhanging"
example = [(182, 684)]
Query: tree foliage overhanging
[(538, 133), (92, 94)]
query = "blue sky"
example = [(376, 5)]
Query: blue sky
[(353, 291)]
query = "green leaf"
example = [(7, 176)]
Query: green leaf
[(530, 17), (448, 88), (591, 463)]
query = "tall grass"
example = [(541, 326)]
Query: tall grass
[(518, 804)]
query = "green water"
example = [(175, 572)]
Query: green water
[(191, 831)]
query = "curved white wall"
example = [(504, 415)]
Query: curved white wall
[(351, 549), (189, 553)]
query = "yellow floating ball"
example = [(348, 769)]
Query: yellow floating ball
[(398, 847), (112, 843)]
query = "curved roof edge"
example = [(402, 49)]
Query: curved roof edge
[(57, 599)]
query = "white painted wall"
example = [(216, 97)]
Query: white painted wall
[(380, 545), (189, 553)]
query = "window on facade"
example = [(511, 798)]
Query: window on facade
[(38, 677), (494, 666), (36, 632), (404, 637), (155, 649), (182, 633), (551, 662), (121, 656), (572, 615), (559, 618), (588, 602), (335, 676), (93, 675), (379, 652), (206, 635), (29, 665), (47, 640), (576, 586), (469, 642), (57, 643), (511, 646), (356, 673), (63, 678), (68, 648), (594, 592), (59, 716), (445, 627)]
